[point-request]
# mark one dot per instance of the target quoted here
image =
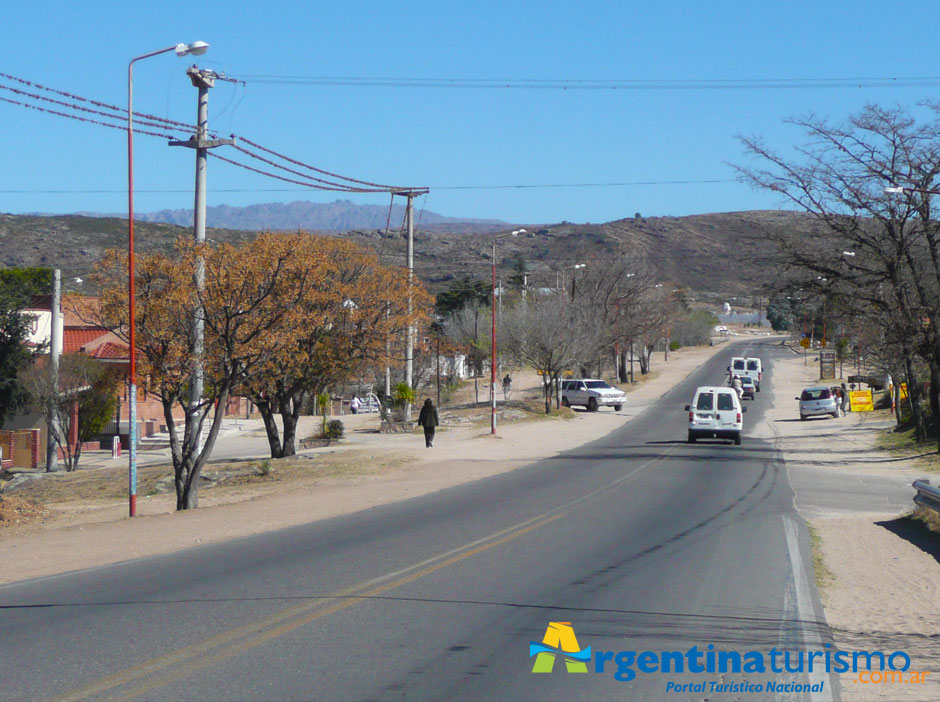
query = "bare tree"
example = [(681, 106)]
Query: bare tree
[(880, 255), (539, 333)]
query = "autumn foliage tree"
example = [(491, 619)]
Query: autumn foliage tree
[(352, 305), (252, 311)]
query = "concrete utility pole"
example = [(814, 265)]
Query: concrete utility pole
[(55, 348), (203, 80), (410, 342)]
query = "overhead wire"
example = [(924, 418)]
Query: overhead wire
[(597, 84)]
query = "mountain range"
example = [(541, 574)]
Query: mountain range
[(337, 216)]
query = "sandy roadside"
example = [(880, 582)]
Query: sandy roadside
[(883, 591), (85, 536)]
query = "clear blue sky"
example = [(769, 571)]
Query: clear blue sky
[(450, 137)]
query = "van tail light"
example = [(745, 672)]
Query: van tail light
[(691, 416), (760, 375), (739, 418)]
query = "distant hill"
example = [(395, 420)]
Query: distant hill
[(338, 216), (722, 252)]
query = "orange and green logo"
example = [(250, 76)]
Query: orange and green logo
[(559, 640)]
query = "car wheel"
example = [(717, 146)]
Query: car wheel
[(835, 415), (592, 404), (803, 417), (617, 408), (564, 402), (692, 437), (737, 439), (758, 388)]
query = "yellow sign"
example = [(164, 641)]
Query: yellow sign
[(860, 401), (804, 342), (823, 342), (903, 394)]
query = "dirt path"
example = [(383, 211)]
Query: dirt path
[(370, 469)]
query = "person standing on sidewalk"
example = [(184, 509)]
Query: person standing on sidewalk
[(507, 387), (845, 407), (429, 420)]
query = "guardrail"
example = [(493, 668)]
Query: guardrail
[(927, 495)]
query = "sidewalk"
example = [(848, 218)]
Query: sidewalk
[(375, 469), (880, 585)]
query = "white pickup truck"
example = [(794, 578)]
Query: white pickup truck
[(591, 393)]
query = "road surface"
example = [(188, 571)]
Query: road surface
[(641, 541)]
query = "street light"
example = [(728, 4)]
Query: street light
[(196, 48), (493, 346)]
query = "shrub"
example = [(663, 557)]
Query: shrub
[(403, 394), (674, 345), (334, 430)]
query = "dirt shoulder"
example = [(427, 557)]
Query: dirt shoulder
[(881, 588), (257, 495)]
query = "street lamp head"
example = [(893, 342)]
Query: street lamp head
[(848, 253), (196, 48), (894, 190)]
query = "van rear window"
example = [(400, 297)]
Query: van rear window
[(739, 365), (725, 402), (705, 401), (752, 365)]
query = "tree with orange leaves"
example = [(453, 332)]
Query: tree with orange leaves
[(251, 303), (352, 306)]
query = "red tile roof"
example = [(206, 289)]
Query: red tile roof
[(110, 349), (74, 339)]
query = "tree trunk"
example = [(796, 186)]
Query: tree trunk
[(547, 390), (290, 419), (270, 428), (188, 470), (913, 394)]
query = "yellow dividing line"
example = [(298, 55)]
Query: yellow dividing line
[(230, 643), (283, 622)]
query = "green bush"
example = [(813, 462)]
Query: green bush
[(334, 430), (674, 345), (403, 394)]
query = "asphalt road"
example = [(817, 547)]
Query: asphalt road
[(639, 540)]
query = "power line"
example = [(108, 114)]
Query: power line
[(597, 84), (617, 184)]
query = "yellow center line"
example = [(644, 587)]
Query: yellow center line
[(281, 623), (267, 628)]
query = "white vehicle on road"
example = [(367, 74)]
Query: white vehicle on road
[(591, 393), (715, 413)]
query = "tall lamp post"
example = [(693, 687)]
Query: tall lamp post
[(493, 311), (196, 48)]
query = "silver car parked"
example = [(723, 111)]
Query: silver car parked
[(816, 401)]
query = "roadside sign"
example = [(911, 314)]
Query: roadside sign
[(903, 395), (860, 401), (827, 365), (804, 342), (822, 342)]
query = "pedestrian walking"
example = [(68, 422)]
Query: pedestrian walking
[(846, 406), (355, 404), (429, 420), (507, 387)]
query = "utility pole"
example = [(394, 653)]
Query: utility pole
[(203, 80), (55, 348), (410, 337), (410, 340)]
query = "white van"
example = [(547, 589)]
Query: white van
[(715, 412), (753, 369)]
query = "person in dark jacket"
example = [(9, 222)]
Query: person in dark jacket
[(844, 405), (429, 420)]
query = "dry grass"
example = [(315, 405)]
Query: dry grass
[(824, 576), (928, 518), (105, 485), (15, 511)]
